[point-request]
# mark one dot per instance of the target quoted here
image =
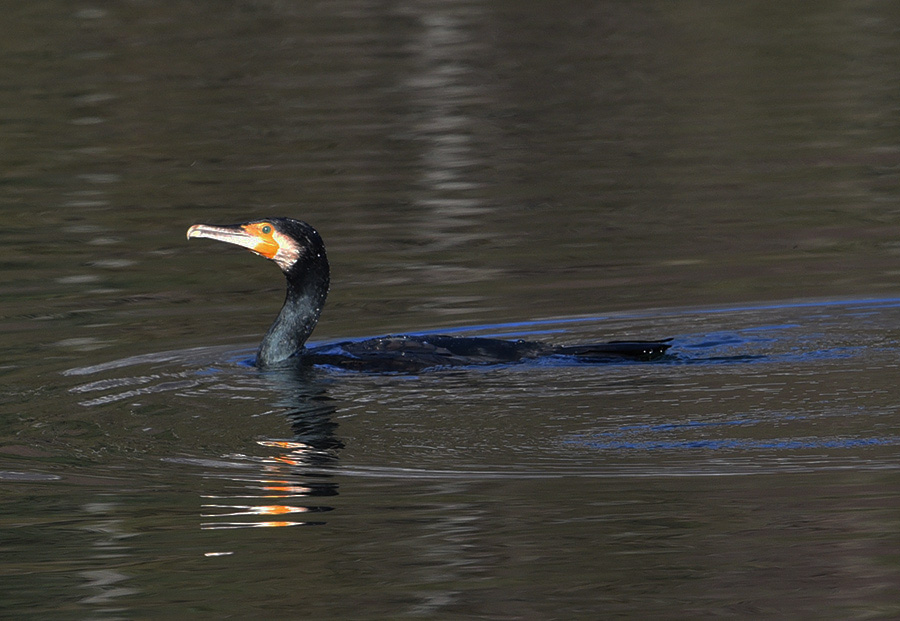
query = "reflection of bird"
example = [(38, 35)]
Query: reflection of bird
[(298, 250)]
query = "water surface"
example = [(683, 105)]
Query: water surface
[(718, 174)]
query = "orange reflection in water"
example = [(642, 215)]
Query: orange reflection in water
[(255, 510), (251, 510), (289, 490), (276, 482), (284, 444), (231, 525), (298, 455)]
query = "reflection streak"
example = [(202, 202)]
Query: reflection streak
[(286, 467)]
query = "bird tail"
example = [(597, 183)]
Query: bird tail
[(617, 350)]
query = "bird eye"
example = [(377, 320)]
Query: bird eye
[(266, 229)]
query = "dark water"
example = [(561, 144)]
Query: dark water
[(726, 174)]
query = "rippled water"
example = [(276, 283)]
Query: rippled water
[(753, 468), (777, 390), (724, 176)]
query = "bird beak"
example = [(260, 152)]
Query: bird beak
[(237, 234)]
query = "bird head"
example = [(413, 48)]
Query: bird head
[(283, 240)]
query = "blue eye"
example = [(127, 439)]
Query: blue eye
[(266, 229)]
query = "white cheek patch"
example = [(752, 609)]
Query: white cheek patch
[(288, 251)]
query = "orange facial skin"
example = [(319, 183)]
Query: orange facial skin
[(266, 245)]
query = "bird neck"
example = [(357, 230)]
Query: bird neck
[(307, 288)]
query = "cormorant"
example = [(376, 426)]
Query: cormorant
[(298, 250)]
